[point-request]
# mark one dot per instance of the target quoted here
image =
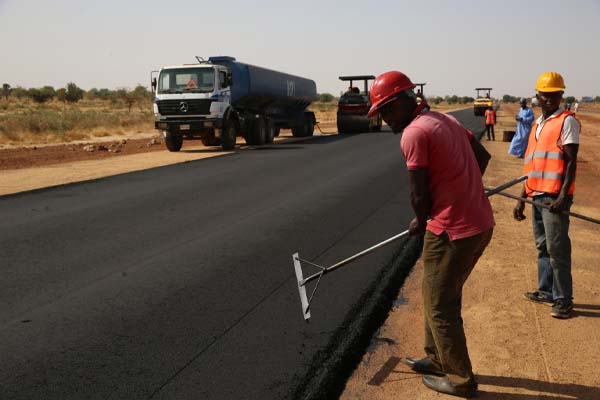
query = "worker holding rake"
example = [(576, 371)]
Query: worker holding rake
[(445, 167)]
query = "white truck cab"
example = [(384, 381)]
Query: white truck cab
[(190, 101)]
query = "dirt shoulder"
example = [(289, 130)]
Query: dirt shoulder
[(517, 349)]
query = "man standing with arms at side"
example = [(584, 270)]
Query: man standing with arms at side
[(550, 163), (524, 118), (445, 166), (490, 121)]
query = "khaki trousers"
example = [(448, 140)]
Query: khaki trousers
[(447, 265)]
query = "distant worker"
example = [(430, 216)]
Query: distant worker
[(445, 165), (524, 119), (575, 107), (550, 163), (420, 96), (351, 90), (490, 121)]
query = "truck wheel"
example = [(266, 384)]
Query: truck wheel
[(257, 134), (270, 131), (229, 133), (173, 142), (310, 124), (306, 129)]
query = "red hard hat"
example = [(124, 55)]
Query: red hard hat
[(385, 87)]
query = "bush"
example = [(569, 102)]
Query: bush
[(452, 99), (570, 99), (325, 97), (61, 94), (42, 95), (509, 99), (6, 90), (20, 93), (74, 93)]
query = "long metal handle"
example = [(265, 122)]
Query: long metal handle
[(298, 267), (547, 206), (349, 259), (489, 192)]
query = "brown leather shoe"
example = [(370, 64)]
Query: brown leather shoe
[(443, 385), (422, 366)]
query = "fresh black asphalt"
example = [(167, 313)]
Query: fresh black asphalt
[(178, 283)]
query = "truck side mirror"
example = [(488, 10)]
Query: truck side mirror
[(154, 84)]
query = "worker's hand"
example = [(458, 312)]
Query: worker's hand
[(518, 211), (417, 227), (558, 205)]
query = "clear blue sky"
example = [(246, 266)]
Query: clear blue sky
[(454, 46)]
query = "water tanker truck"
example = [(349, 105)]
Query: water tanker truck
[(219, 99)]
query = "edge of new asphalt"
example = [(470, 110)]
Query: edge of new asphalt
[(331, 367)]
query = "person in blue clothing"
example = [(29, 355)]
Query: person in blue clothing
[(518, 145)]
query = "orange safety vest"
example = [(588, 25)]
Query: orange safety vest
[(544, 160), (490, 117)]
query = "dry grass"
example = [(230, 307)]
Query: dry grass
[(23, 121)]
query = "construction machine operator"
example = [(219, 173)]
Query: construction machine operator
[(445, 166)]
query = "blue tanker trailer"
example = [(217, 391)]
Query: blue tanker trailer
[(219, 99)]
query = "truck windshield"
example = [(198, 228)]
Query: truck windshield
[(180, 80)]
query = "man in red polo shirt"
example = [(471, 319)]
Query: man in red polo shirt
[(445, 167)]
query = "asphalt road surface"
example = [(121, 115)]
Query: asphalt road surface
[(178, 283)]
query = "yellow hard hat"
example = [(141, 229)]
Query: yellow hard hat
[(550, 82), (490, 104)]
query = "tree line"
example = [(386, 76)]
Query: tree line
[(72, 94)]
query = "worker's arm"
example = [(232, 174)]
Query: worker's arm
[(420, 200), (520, 206), (570, 159), (481, 155)]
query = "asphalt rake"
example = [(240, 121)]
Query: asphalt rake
[(298, 261)]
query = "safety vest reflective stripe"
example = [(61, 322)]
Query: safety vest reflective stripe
[(545, 175), (552, 155), (544, 160)]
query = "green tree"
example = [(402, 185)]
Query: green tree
[(597, 99), (127, 97), (42, 95), (20, 92), (325, 97), (61, 94), (452, 99), (105, 94), (570, 99), (509, 99), (6, 90), (437, 100), (74, 93), (91, 94)]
